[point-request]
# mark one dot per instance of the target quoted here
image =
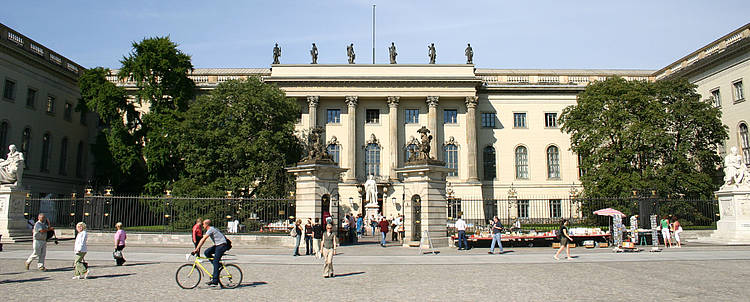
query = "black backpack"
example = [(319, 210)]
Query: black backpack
[(229, 244)]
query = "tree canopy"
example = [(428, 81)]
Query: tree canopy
[(639, 135)]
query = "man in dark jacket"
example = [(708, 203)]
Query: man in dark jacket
[(317, 236)]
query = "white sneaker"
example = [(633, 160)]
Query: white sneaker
[(86, 274)]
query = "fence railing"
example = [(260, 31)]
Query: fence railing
[(546, 213), (165, 214)]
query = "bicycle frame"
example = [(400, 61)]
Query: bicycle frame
[(197, 263)]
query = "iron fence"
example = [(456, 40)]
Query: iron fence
[(165, 214)]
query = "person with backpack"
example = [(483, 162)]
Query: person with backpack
[(565, 240), (221, 246)]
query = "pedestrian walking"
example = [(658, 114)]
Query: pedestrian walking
[(221, 246), (394, 234), (39, 235), (497, 229), (360, 226), (308, 237), (676, 230), (401, 230), (463, 244), (373, 224), (383, 224), (197, 231), (352, 228), (120, 237), (80, 268), (317, 237), (297, 234), (664, 224), (329, 249), (565, 240)]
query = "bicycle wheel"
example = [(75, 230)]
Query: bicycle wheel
[(230, 276), (188, 276)]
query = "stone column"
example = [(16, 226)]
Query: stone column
[(393, 135), (471, 137), (312, 102), (351, 150), (432, 104)]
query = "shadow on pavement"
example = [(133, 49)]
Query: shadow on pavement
[(10, 273), (61, 269), (24, 280), (252, 284), (348, 274), (108, 276)]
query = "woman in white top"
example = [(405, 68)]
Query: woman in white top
[(80, 270)]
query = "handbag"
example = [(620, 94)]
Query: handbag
[(117, 254), (293, 232)]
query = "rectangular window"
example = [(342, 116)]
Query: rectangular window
[(450, 116), (333, 116), (454, 208), (31, 98), (716, 97), (372, 116), (519, 120), (412, 116), (50, 104), (555, 208), (83, 118), (68, 113), (739, 94), (10, 90), (488, 120), (523, 208), (550, 120)]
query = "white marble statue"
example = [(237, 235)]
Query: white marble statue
[(735, 171), (10, 167), (371, 189)]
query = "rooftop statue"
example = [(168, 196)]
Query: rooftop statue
[(11, 167), (350, 53), (314, 54), (392, 53), (431, 53), (469, 54), (276, 54), (735, 171)]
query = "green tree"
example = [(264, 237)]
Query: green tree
[(643, 135), (241, 135)]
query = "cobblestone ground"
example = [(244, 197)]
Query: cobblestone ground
[(391, 274)]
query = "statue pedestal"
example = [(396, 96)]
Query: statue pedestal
[(734, 225), (316, 181), (425, 204), (12, 222), (372, 209)]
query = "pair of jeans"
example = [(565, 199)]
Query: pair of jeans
[(308, 245), (496, 239), (216, 252), (296, 244), (462, 242), (382, 237)]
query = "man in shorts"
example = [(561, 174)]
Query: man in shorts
[(664, 223)]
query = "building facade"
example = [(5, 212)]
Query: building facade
[(38, 114)]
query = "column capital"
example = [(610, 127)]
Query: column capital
[(312, 100), (472, 101), (393, 101), (351, 100), (432, 101)]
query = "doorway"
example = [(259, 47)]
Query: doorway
[(416, 224)]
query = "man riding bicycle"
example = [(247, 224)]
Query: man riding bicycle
[(215, 252)]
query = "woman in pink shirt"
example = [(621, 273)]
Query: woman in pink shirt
[(119, 244)]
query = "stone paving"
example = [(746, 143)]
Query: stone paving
[(369, 272)]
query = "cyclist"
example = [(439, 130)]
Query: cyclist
[(216, 251)]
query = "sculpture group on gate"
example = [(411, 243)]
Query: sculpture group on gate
[(735, 171), (11, 166), (316, 149)]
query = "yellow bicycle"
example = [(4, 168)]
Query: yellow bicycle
[(189, 275)]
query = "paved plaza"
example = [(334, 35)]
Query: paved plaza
[(368, 272)]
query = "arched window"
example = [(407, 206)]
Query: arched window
[(26, 146), (522, 163), (372, 159), (745, 143), (451, 158), (489, 163), (46, 146), (411, 150), (4, 136), (79, 159), (334, 151), (553, 162), (64, 156)]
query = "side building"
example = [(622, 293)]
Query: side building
[(38, 115)]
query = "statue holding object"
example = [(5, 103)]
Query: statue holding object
[(11, 167)]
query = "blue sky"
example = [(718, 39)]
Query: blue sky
[(504, 34)]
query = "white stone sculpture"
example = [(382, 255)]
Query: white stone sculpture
[(11, 167), (371, 190), (735, 171)]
